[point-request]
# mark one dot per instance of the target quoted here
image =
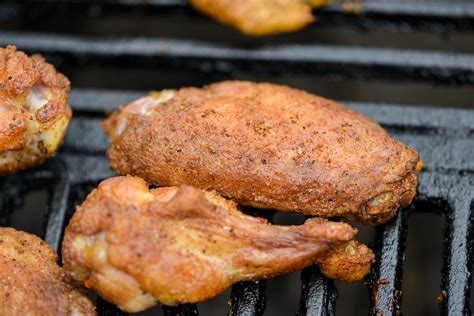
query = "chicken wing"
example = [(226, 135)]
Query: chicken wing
[(268, 146), (32, 283), (138, 247), (34, 114), (258, 17)]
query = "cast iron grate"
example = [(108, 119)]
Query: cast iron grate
[(446, 185), (444, 137)]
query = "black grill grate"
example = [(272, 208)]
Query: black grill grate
[(321, 60), (444, 137), (445, 186)]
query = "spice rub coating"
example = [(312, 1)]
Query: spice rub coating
[(138, 247), (31, 281), (34, 114), (265, 145)]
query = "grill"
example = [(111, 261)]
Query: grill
[(443, 136)]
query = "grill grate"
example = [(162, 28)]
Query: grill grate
[(320, 60), (444, 137), (444, 187), (437, 16)]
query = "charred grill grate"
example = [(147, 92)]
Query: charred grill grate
[(444, 137)]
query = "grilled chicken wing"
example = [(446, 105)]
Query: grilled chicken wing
[(258, 17), (33, 110), (32, 283), (268, 146), (138, 247)]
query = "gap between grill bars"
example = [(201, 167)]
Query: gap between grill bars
[(445, 186)]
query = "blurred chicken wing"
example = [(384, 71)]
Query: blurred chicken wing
[(139, 247), (258, 17), (32, 283), (34, 114), (268, 146)]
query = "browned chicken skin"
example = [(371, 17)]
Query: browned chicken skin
[(261, 17), (34, 114), (138, 247), (32, 283), (268, 146)]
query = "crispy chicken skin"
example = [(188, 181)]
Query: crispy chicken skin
[(34, 114), (32, 283), (268, 146), (138, 247)]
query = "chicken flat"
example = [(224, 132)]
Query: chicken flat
[(32, 283), (34, 114), (138, 247), (268, 146), (258, 17)]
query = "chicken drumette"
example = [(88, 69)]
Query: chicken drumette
[(32, 283), (139, 247), (34, 114), (268, 146)]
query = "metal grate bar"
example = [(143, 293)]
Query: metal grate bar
[(460, 8), (101, 101), (318, 294), (457, 265), (322, 60), (404, 16), (386, 279), (423, 8), (58, 208), (248, 299)]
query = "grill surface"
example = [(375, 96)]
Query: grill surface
[(437, 15), (351, 62), (444, 137), (446, 185)]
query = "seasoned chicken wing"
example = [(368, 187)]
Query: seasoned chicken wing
[(268, 146), (34, 114), (32, 283), (138, 247)]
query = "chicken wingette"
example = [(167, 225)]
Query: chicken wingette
[(268, 146), (32, 282), (260, 17), (138, 247), (34, 114)]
